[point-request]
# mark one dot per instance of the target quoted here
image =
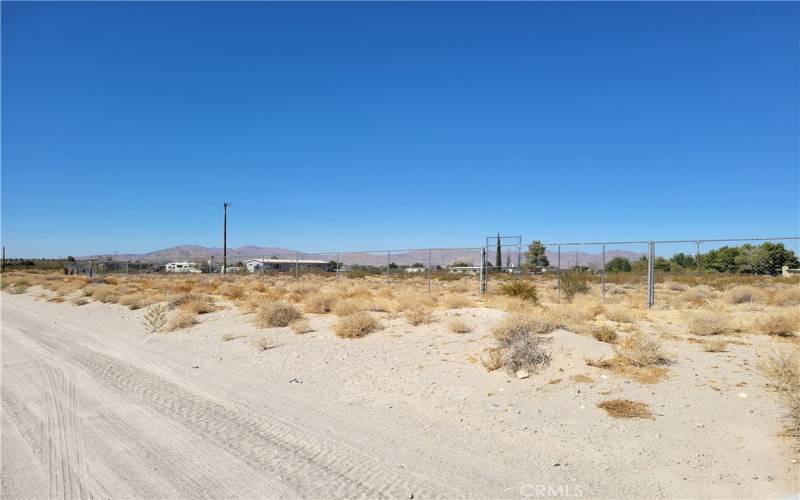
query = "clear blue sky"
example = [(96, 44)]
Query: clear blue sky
[(328, 126)]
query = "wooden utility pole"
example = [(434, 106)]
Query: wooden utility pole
[(225, 238)]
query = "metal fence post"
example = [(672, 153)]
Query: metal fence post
[(296, 266), (388, 262), (337, 267), (697, 257), (603, 274), (482, 278), (651, 275), (429, 270), (559, 273)]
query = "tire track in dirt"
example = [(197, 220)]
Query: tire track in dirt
[(309, 465), (63, 435)]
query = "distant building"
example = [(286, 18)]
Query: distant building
[(182, 267), (286, 265)]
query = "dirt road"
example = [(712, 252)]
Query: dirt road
[(80, 420)]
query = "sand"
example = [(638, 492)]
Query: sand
[(93, 405)]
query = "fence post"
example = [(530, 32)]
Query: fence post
[(337, 267), (603, 273), (296, 266), (482, 277), (388, 262), (651, 275), (429, 270), (559, 273), (697, 257)]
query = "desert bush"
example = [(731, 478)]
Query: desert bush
[(418, 314), (457, 301), (605, 334), (625, 408), (786, 297), (320, 302), (521, 289), (134, 300), (622, 314), (573, 283), (640, 350), (300, 326), (514, 325), (781, 323), (350, 306), (743, 294), (492, 358), (696, 296), (714, 346), (356, 325), (783, 371), (17, 289), (277, 314), (458, 325), (197, 304), (231, 291), (525, 351), (156, 318), (708, 323), (183, 319)]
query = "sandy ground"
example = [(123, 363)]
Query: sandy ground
[(93, 406)]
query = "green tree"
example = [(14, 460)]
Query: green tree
[(535, 257), (662, 264), (639, 266), (682, 261), (722, 260), (618, 265)]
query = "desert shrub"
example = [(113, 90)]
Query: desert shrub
[(197, 304), (640, 350), (779, 323), (786, 297), (514, 325), (231, 291), (708, 323), (621, 314), (605, 334), (743, 294), (17, 289), (714, 346), (676, 287), (783, 371), (573, 283), (277, 314), (697, 296), (418, 314), (320, 302), (492, 358), (521, 289), (156, 318), (525, 351), (457, 301), (350, 306), (134, 300), (300, 326), (626, 408), (458, 325), (80, 301), (183, 319), (356, 325)]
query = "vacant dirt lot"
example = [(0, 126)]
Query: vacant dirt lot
[(95, 405)]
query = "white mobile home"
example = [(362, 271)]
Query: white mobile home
[(182, 267), (286, 265)]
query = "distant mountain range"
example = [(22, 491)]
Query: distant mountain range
[(441, 257)]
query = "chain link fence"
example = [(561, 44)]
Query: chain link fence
[(641, 270)]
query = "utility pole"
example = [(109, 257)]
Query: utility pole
[(225, 206), (3, 262)]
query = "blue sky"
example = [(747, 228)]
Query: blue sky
[(365, 125)]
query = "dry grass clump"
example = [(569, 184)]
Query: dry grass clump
[(525, 351), (626, 408), (783, 370), (520, 289), (458, 325), (743, 294), (80, 301), (696, 296), (622, 314), (605, 334), (517, 324), (277, 314), (573, 283), (231, 291), (639, 357), (320, 302), (356, 325), (708, 323), (457, 301), (134, 300), (786, 297), (300, 326), (418, 314), (582, 379), (183, 319), (492, 358), (351, 305), (197, 304), (781, 323), (714, 346)]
